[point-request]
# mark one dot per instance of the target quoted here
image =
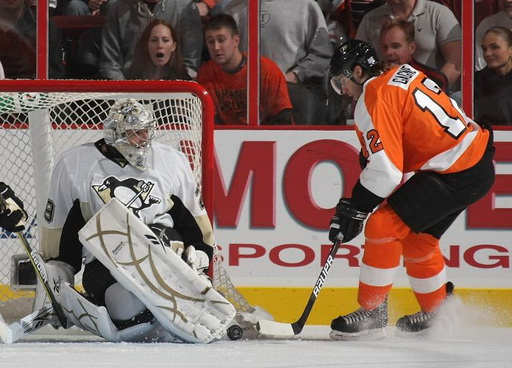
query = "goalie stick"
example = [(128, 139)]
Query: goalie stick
[(274, 329), (38, 264)]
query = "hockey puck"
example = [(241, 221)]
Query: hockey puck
[(235, 332)]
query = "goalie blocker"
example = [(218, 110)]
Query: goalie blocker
[(184, 304)]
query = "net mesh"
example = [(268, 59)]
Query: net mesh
[(35, 128)]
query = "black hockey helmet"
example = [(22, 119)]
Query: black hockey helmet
[(350, 54)]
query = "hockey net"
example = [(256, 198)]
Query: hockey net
[(41, 119)]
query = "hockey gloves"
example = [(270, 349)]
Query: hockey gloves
[(196, 259), (347, 222), (12, 215), (168, 237)]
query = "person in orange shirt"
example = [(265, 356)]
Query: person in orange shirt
[(405, 124), (225, 78)]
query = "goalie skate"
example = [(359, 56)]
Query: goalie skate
[(17, 330), (184, 304)]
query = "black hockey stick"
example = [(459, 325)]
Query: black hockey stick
[(40, 270), (285, 330)]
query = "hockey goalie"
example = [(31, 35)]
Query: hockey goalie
[(126, 209)]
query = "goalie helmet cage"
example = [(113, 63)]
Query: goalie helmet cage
[(42, 118)]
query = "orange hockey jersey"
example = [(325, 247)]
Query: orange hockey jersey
[(406, 123)]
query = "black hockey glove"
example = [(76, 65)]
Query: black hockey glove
[(12, 214), (347, 222), (169, 237)]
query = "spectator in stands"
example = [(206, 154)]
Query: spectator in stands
[(337, 18), (83, 54), (87, 7), (493, 84), (205, 6), (397, 47), (125, 21), (502, 18), (158, 54), (437, 36), (295, 37), (18, 42), (225, 78)]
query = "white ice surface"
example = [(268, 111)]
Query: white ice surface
[(461, 338), (471, 347)]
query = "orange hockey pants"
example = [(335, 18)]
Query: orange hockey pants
[(387, 239)]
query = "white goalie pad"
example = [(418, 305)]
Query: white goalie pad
[(182, 302), (17, 330), (90, 317)]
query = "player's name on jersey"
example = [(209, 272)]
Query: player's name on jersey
[(403, 76)]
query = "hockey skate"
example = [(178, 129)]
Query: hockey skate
[(419, 322), (362, 324)]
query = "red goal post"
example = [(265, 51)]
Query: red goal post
[(41, 118)]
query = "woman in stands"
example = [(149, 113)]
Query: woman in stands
[(158, 54), (493, 84)]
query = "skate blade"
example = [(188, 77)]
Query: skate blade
[(420, 335), (373, 334)]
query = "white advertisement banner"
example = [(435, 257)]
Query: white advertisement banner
[(275, 192)]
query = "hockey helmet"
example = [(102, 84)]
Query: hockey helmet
[(352, 53), (130, 128)]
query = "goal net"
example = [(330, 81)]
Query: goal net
[(41, 119)]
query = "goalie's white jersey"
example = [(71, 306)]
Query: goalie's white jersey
[(86, 177)]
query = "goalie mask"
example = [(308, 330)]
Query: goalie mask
[(347, 56), (130, 128)]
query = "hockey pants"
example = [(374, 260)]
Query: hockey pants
[(388, 238)]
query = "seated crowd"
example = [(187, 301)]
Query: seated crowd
[(206, 41)]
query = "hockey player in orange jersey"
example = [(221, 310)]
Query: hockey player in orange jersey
[(406, 125)]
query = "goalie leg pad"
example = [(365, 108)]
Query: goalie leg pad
[(121, 304), (184, 304), (25, 326), (90, 317), (58, 274)]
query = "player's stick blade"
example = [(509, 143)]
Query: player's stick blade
[(275, 329)]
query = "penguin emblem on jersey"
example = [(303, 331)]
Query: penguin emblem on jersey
[(133, 193)]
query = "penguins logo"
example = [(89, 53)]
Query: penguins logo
[(133, 193)]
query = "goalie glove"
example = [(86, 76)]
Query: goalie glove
[(12, 214), (196, 259), (347, 222), (168, 237)]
